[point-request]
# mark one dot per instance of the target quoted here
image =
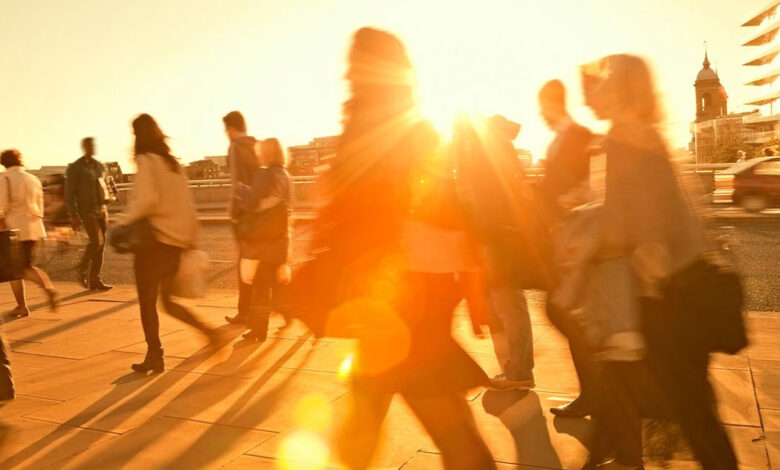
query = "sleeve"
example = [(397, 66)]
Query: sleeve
[(71, 182), (3, 196), (144, 193), (233, 168), (39, 197)]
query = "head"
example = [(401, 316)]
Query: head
[(149, 138), (88, 146), (235, 125), (10, 158), (620, 88), (552, 102), (380, 74), (272, 153), (740, 154)]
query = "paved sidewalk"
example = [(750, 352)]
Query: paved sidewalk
[(272, 405)]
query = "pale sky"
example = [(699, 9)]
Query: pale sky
[(80, 68)]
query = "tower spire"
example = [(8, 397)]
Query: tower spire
[(706, 62)]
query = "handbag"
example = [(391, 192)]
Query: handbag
[(10, 249), (133, 237), (708, 299), (191, 280)]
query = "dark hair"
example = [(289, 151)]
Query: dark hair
[(553, 92), (235, 120), (768, 152), (149, 138), (11, 157)]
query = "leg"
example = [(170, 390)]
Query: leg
[(512, 310), (168, 258), (101, 225), (260, 310), (358, 437), (147, 281), (17, 286), (581, 354), (449, 421), (90, 224)]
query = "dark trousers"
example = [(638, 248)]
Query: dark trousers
[(263, 286), (155, 268), (581, 352), (681, 370), (6, 382), (244, 295), (95, 225)]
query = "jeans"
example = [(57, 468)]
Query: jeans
[(263, 286), (155, 268), (95, 225), (511, 308)]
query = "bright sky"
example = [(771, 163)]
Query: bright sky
[(86, 67)]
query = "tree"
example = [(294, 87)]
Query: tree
[(726, 153)]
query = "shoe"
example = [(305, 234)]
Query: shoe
[(152, 362), (252, 335), (83, 276), (20, 312), (614, 465), (502, 383), (97, 284), (239, 319), (54, 299), (575, 409)]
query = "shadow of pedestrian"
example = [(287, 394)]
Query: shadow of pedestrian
[(521, 413)]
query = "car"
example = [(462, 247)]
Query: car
[(753, 185)]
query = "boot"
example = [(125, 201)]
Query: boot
[(153, 361)]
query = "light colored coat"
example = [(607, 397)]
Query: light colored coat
[(163, 198), (25, 210)]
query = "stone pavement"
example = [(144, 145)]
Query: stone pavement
[(274, 405)]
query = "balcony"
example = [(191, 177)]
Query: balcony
[(766, 57), (766, 35), (765, 79), (764, 100), (766, 11)]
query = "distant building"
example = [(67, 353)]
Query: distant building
[(765, 125), (222, 162), (114, 171), (716, 134), (306, 159), (202, 170)]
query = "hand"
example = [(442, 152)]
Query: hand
[(75, 222)]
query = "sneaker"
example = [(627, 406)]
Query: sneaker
[(502, 383)]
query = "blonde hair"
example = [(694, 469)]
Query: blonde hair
[(272, 153), (625, 86)]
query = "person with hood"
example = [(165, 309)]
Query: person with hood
[(243, 163)]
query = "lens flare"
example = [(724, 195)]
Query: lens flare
[(313, 412), (303, 450), (345, 368)]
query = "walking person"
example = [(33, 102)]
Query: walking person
[(648, 220), (566, 170), (21, 202), (160, 197), (396, 258), (265, 248), (491, 184), (86, 194), (243, 164), (7, 392)]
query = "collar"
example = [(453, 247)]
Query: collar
[(14, 169)]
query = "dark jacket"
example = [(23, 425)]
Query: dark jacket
[(86, 188), (567, 164), (270, 242), (243, 164)]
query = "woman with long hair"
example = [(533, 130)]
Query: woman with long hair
[(162, 198), (266, 248), (648, 220), (397, 250)]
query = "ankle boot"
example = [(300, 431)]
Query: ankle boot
[(153, 361)]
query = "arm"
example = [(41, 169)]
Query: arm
[(71, 183), (3, 197), (144, 194)]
